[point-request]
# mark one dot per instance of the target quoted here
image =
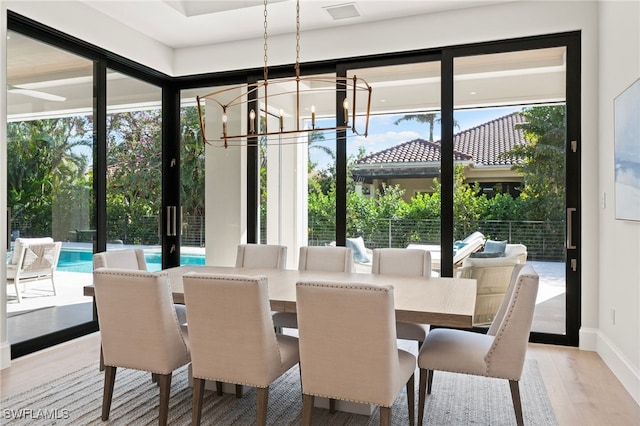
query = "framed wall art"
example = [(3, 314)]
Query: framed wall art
[(627, 153)]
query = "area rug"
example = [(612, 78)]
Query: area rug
[(456, 399)]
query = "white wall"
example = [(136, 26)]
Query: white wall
[(5, 349), (611, 257), (618, 343)]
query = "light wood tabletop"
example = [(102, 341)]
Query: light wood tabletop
[(439, 301)]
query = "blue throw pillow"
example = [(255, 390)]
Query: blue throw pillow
[(499, 247), (359, 250)]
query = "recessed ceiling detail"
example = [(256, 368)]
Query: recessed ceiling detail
[(343, 11), (196, 8)]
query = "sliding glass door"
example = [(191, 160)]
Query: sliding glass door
[(511, 108), (393, 191), (50, 184), (134, 166)]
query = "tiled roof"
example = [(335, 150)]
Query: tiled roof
[(482, 144), (415, 151)]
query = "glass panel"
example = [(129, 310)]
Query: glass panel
[(510, 176), (134, 165), (192, 180), (393, 175), (49, 181)]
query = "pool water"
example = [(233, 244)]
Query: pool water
[(82, 260)]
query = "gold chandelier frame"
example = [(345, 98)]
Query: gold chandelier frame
[(257, 94)]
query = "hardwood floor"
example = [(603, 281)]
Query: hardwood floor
[(582, 389)]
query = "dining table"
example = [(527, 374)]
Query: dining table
[(441, 301)]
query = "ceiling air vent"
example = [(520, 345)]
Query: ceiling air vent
[(343, 11)]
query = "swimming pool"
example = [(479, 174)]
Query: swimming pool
[(76, 260)]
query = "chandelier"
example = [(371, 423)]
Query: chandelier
[(256, 113)]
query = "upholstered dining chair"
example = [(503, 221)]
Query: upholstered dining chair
[(316, 258), (500, 353), (261, 256), (404, 262), (139, 329), (348, 347), (130, 259), (232, 338)]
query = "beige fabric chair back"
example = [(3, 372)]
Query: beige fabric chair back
[(400, 261), (230, 329), (321, 258), (512, 325), (120, 259), (261, 256), (348, 342), (138, 323)]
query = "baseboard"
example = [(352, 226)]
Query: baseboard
[(618, 363), (5, 355), (588, 338)]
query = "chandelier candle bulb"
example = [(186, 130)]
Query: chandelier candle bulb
[(252, 121), (345, 105), (224, 123), (313, 116), (281, 119)]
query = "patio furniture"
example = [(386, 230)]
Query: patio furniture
[(461, 249), (33, 259), (316, 258), (261, 256), (493, 275), (139, 329), (500, 353), (232, 337), (404, 262), (336, 364)]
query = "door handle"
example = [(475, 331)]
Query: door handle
[(171, 221), (570, 212)]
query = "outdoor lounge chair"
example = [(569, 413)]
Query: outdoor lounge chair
[(33, 259)]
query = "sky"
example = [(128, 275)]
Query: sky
[(383, 133)]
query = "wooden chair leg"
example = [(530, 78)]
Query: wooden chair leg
[(429, 381), (385, 416), (164, 381), (411, 397), (262, 402), (198, 393), (307, 407), (219, 388), (517, 405), (109, 380), (421, 395), (332, 405), (101, 359), (239, 391)]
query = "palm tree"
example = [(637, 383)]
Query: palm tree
[(429, 118)]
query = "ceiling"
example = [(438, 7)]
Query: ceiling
[(186, 23), (44, 80)]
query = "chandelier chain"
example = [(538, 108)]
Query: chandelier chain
[(297, 38), (266, 70)]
